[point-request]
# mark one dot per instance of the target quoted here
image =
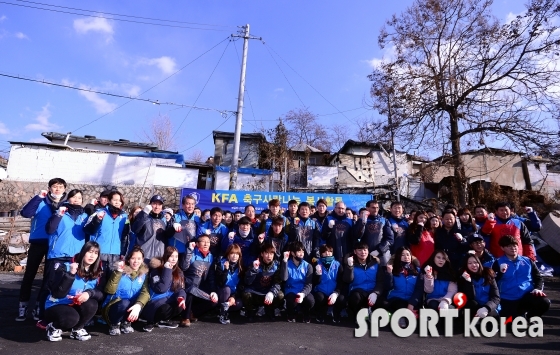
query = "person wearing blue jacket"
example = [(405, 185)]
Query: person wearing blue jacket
[(478, 283), (403, 292), (376, 232), (189, 222), (76, 288), (109, 227), (243, 236), (215, 230), (337, 231), (478, 245), (166, 283), (399, 224), (329, 287), (519, 281), (263, 285), (199, 280), (228, 274), (127, 293), (130, 242), (440, 283), (365, 279), (40, 208), (297, 275)]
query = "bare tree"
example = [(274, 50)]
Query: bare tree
[(274, 153), (160, 133), (372, 130), (459, 75), (303, 127), (197, 156)]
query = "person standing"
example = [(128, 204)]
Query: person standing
[(375, 231), (338, 231), (40, 208)]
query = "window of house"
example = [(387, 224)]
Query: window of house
[(312, 160)]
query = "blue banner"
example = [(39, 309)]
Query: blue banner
[(237, 200)]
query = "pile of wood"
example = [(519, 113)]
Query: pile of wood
[(13, 246)]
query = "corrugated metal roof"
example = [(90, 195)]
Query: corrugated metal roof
[(302, 147)]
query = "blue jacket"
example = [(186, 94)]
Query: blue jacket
[(189, 228), (266, 279), (340, 236), (399, 235), (246, 245), (64, 285), (329, 280), (40, 210), (485, 295), (217, 235), (66, 233), (297, 279), (109, 232), (522, 276), (129, 287), (160, 281), (440, 289), (378, 235), (229, 277), (199, 273), (366, 277), (403, 286)]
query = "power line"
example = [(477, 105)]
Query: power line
[(285, 77), (112, 18), (155, 102), (317, 91), (201, 91), (121, 15), (165, 79), (200, 141)]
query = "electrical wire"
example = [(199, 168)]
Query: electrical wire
[(113, 18), (121, 15), (203, 139), (201, 91), (317, 91), (165, 79)]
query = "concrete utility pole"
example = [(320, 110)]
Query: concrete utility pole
[(237, 136), (398, 192)]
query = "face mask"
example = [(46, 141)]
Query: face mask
[(243, 234), (298, 259), (56, 197), (327, 260)]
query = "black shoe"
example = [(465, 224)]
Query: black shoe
[(306, 319), (148, 327), (167, 324), (320, 320)]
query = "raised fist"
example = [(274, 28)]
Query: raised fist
[(226, 265), (192, 245), (350, 261), (466, 276), (256, 264), (120, 266), (100, 215), (93, 201), (74, 268), (318, 270), (177, 227), (286, 256), (167, 265), (296, 221), (374, 253), (459, 236), (428, 270), (231, 235), (208, 232), (148, 209), (261, 237), (61, 211), (43, 194), (503, 268), (395, 227), (331, 223), (528, 209), (491, 216)]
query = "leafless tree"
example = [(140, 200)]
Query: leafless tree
[(339, 135), (197, 156), (303, 127), (160, 133), (460, 75)]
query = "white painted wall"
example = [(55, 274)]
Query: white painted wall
[(177, 177), (243, 181), (35, 163)]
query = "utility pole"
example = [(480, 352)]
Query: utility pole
[(237, 135), (398, 192)]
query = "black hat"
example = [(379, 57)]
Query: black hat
[(157, 198), (105, 193), (475, 238)]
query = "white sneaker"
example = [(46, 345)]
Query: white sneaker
[(53, 334), (80, 334)]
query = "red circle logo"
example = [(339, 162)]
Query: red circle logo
[(460, 300)]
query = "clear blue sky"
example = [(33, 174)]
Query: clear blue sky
[(329, 43)]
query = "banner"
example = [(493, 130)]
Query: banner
[(237, 200)]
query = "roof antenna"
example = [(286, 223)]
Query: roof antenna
[(67, 137)]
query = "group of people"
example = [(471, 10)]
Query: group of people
[(158, 264)]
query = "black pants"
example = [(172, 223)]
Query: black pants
[(358, 299), (71, 317), (50, 267), (322, 304), (306, 305), (533, 305), (196, 307), (394, 304), (252, 301), (474, 306), (224, 293), (35, 256)]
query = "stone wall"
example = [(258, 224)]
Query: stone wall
[(15, 194)]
